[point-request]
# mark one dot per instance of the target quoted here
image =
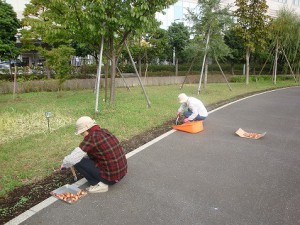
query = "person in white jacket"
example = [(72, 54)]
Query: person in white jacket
[(196, 110)]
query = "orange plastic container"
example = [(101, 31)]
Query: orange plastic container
[(190, 127)]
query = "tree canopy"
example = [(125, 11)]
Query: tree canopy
[(285, 29), (252, 22), (209, 23), (85, 22), (179, 37), (9, 25)]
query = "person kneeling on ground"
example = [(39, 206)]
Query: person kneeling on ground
[(99, 158), (196, 110)]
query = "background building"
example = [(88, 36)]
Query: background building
[(178, 11), (275, 5), (18, 6)]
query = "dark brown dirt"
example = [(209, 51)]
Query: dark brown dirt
[(23, 198)]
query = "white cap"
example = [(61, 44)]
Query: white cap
[(84, 123), (182, 98)]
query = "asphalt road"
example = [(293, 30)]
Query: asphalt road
[(212, 178)]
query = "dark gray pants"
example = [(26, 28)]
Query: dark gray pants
[(87, 168), (198, 117)]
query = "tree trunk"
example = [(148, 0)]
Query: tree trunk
[(176, 68), (113, 72), (275, 64), (15, 81), (99, 75), (205, 75), (146, 69), (140, 64), (106, 69), (254, 68), (247, 65), (232, 68), (204, 60), (48, 72)]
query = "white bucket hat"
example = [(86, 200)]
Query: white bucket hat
[(84, 123), (182, 98)]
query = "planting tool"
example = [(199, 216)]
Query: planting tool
[(177, 120), (74, 173)]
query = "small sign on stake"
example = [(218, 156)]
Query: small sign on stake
[(48, 115)]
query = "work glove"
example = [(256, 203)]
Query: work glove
[(186, 120), (178, 114)]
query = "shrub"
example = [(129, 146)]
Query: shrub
[(238, 79), (256, 78)]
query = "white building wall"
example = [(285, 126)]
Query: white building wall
[(177, 12), (275, 5)]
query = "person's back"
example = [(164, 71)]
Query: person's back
[(108, 154), (105, 163), (197, 105)]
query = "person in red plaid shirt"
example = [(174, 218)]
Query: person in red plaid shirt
[(106, 163)]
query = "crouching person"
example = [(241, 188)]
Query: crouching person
[(102, 159), (196, 110)]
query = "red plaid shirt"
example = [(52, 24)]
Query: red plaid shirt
[(105, 149)]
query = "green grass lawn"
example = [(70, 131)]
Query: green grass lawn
[(28, 151)]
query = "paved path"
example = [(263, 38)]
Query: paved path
[(210, 178)]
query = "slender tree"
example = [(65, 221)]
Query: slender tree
[(85, 22), (236, 45), (159, 45), (252, 26), (209, 23), (286, 39), (142, 48), (178, 37), (59, 60)]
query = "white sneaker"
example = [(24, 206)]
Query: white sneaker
[(100, 187)]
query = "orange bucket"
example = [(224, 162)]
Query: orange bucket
[(190, 127)]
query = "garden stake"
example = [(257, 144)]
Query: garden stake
[(74, 173)]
